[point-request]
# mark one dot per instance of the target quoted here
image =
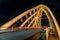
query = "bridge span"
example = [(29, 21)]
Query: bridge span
[(29, 24)]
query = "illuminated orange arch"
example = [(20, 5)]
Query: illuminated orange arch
[(38, 12)]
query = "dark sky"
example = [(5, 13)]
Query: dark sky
[(11, 8)]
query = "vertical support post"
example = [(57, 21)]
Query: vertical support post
[(47, 33), (26, 16), (40, 13), (40, 21), (21, 20), (35, 22)]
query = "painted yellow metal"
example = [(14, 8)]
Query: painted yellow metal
[(21, 20), (31, 22), (52, 19), (47, 33), (34, 11), (26, 21), (12, 21), (26, 16)]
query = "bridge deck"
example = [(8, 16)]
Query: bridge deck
[(20, 35)]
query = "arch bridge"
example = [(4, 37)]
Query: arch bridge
[(33, 19)]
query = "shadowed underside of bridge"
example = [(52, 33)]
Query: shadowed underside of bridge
[(33, 19)]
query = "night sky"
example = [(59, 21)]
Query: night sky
[(11, 8)]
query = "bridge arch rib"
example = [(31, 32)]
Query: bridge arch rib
[(32, 18)]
